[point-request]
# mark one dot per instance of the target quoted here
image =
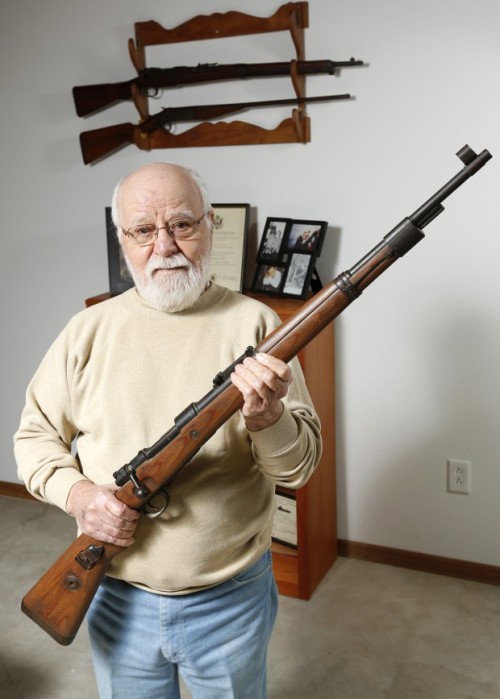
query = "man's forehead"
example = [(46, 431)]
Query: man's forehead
[(160, 188)]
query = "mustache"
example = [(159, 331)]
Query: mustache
[(174, 261)]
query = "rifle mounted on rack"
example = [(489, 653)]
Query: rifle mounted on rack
[(91, 98), (100, 142), (59, 600)]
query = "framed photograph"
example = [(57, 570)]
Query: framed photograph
[(269, 279), (273, 240), (119, 276), (306, 236), (298, 275), (229, 245), (286, 259)]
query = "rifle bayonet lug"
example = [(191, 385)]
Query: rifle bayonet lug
[(407, 234), (90, 556)]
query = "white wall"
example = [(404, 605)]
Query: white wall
[(417, 356)]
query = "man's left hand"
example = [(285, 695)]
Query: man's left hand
[(263, 381)]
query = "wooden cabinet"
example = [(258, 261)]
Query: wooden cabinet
[(299, 570)]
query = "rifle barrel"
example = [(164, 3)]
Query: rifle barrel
[(212, 111)]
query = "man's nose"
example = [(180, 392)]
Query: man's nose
[(164, 244)]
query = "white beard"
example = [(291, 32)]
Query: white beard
[(171, 291)]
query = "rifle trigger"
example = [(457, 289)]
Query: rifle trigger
[(152, 511)]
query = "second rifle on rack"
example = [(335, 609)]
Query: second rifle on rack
[(98, 143)]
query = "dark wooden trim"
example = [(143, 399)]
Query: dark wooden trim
[(452, 567), (15, 490)]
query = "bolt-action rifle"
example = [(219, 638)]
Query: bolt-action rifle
[(91, 98), (100, 142), (59, 600)]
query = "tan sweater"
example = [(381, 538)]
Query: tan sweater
[(113, 382)]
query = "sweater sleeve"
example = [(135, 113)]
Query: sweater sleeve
[(289, 451), (42, 444)]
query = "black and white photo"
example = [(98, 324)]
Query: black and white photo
[(298, 275), (273, 239)]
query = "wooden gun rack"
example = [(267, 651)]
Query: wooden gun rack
[(292, 17)]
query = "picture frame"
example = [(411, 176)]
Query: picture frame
[(273, 240), (269, 278), (306, 236), (227, 265), (119, 276), (286, 258), (298, 275)]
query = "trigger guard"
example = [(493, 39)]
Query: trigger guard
[(151, 510)]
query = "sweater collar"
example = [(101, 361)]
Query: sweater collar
[(209, 298)]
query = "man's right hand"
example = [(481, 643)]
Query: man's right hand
[(100, 514)]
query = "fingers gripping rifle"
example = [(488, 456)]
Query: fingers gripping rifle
[(59, 600)]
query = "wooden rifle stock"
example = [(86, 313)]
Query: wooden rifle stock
[(97, 143), (59, 600), (91, 98)]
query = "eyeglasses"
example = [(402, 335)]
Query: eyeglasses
[(181, 228)]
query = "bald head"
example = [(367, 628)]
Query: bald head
[(163, 183)]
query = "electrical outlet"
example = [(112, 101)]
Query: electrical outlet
[(459, 476)]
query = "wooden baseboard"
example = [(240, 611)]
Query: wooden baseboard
[(427, 563), (15, 490), (424, 562)]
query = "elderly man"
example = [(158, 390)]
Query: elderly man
[(195, 592)]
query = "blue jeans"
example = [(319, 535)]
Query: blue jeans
[(216, 638)]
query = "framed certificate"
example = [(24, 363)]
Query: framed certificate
[(229, 245)]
